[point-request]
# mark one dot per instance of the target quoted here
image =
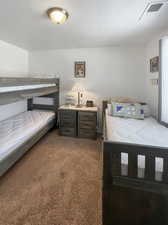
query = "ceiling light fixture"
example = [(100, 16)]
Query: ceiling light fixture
[(57, 15)]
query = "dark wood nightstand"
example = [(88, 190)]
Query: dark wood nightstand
[(78, 122)]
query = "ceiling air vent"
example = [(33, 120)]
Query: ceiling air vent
[(155, 7)]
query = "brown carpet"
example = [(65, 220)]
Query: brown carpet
[(58, 182)]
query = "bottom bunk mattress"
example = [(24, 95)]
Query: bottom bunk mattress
[(147, 132), (15, 131)]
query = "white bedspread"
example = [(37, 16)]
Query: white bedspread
[(144, 132), (16, 130)]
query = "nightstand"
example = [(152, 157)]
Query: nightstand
[(78, 122)]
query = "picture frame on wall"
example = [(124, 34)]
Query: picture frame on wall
[(154, 64), (80, 69)]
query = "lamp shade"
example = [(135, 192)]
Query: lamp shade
[(78, 88)]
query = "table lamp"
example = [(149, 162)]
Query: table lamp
[(79, 89)]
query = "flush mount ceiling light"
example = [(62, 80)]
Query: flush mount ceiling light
[(57, 15)]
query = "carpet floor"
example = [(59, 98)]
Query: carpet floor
[(58, 182)]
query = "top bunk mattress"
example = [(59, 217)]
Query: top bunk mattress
[(132, 131), (16, 130)]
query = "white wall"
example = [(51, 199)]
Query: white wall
[(7, 111), (13, 62), (111, 71), (152, 50)]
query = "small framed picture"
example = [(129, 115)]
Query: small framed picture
[(80, 69), (154, 64)]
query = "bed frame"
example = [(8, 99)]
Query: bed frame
[(112, 169), (14, 96), (48, 92)]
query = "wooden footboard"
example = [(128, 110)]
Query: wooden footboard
[(113, 167)]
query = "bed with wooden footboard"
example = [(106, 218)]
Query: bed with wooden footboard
[(135, 160)]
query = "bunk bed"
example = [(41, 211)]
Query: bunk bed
[(19, 133), (122, 169)]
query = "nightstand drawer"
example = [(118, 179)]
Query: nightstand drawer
[(87, 116), (67, 123), (87, 125), (87, 133), (67, 115), (68, 132)]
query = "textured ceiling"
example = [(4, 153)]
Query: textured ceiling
[(92, 23)]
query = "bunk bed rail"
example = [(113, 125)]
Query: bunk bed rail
[(17, 89), (23, 81)]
